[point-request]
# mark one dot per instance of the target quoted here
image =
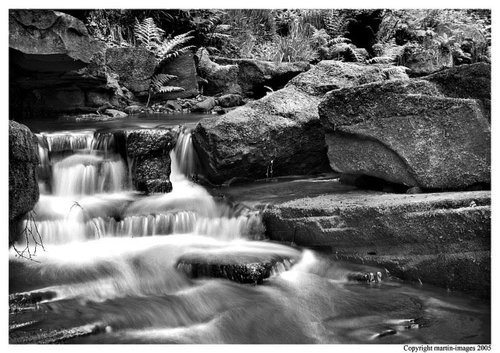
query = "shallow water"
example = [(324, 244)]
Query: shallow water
[(110, 260)]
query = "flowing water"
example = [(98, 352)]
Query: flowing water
[(110, 261)]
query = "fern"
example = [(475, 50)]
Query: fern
[(148, 33), (171, 48), (157, 85), (353, 55), (380, 60), (340, 39)]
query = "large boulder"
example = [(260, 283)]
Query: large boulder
[(185, 69), (255, 77), (149, 150), (134, 66), (220, 79), (56, 67), (466, 81), (61, 37), (23, 183), (439, 238), (403, 132), (279, 134)]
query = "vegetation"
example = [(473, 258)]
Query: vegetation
[(298, 34)]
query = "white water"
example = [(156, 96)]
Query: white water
[(111, 258)]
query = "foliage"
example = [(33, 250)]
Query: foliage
[(157, 85)]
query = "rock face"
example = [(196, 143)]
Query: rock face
[(255, 75), (46, 32), (184, 68), (405, 133), (55, 67), (150, 149), (23, 163), (135, 66), (441, 238), (279, 134), (466, 81), (220, 78)]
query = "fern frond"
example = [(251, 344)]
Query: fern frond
[(340, 39), (148, 33), (380, 60), (168, 89), (158, 81), (169, 48)]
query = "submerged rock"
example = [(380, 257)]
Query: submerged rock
[(242, 266), (405, 132), (279, 134), (23, 182)]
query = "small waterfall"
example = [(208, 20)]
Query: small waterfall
[(87, 196)]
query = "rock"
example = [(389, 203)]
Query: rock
[(51, 33), (56, 67), (115, 113), (414, 190), (174, 105), (134, 109), (255, 75), (184, 68), (134, 66), (466, 81), (279, 134), (423, 60), (204, 106), (220, 78), (436, 238), (239, 265), (329, 75), (230, 100), (23, 182), (150, 149), (405, 132)]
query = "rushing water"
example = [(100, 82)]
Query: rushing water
[(110, 256)]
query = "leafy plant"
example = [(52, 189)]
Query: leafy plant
[(157, 85)]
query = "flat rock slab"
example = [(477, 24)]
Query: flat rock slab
[(438, 238), (249, 264)]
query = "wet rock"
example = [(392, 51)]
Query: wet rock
[(204, 106), (238, 265), (255, 75), (230, 100), (149, 149), (184, 68), (279, 134), (414, 190), (466, 81), (134, 109), (134, 66), (436, 238), (23, 182), (405, 133), (115, 113), (220, 78)]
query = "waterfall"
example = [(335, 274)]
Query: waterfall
[(86, 195)]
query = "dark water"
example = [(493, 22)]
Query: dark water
[(110, 262)]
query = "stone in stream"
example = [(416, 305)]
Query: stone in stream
[(406, 132), (243, 266), (23, 180), (149, 149), (279, 134)]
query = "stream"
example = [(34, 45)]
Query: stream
[(109, 268)]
